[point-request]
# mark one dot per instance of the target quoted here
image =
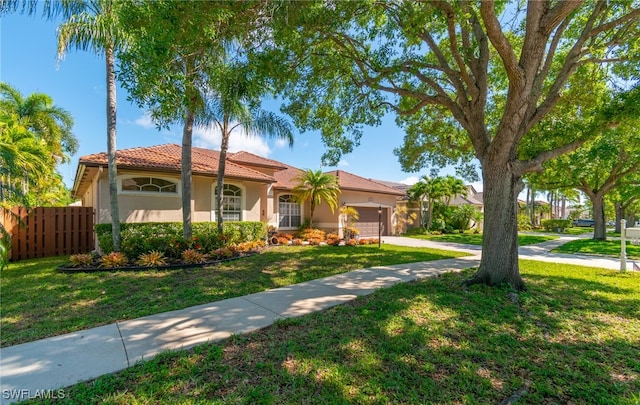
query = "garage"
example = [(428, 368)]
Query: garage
[(367, 224)]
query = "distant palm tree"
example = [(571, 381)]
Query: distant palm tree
[(316, 187), (236, 104), (38, 114), (93, 25), (35, 135)]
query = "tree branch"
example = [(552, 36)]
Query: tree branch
[(500, 41), (535, 163)]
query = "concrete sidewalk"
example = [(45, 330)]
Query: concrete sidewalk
[(44, 366)]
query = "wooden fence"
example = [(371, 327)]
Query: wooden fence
[(45, 231)]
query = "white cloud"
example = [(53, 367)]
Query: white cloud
[(211, 137), (282, 143), (343, 163), (411, 180), (145, 121)]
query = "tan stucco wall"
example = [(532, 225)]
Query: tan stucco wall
[(167, 208)]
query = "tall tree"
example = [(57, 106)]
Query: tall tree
[(430, 190), (609, 160), (466, 79), (92, 25), (177, 66), (235, 97), (35, 136), (37, 113), (315, 187)]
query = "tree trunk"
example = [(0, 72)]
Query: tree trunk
[(187, 133), (619, 215), (499, 262), (600, 227), (533, 207), (224, 146), (112, 168)]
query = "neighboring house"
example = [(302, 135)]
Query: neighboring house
[(255, 189), (474, 198)]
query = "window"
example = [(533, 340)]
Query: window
[(231, 203), (290, 213), (148, 185)]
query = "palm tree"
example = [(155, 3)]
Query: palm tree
[(316, 187), (93, 25), (430, 190), (37, 114), (236, 104), (35, 135)]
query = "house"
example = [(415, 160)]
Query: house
[(255, 189)]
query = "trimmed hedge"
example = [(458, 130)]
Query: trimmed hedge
[(166, 237), (555, 224)]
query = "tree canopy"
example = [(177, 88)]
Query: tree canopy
[(465, 79)]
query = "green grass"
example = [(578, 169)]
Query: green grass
[(606, 248), (38, 302), (570, 231), (572, 337), (476, 238)]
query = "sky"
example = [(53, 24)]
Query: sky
[(77, 84)]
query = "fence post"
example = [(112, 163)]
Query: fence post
[(623, 245)]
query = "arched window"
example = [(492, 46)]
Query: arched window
[(231, 203), (290, 212), (145, 184)]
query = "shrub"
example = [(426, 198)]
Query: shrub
[(283, 240), (311, 233), (152, 259), (81, 259), (166, 237), (192, 256), (296, 242), (438, 224), (524, 222), (333, 239), (556, 224), (223, 253), (352, 242), (253, 246), (114, 259)]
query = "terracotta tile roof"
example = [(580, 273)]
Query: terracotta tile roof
[(168, 157), (349, 181), (285, 178), (243, 157)]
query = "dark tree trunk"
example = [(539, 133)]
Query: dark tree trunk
[(600, 227), (499, 263), (619, 216), (533, 208), (111, 149), (224, 147), (187, 134)]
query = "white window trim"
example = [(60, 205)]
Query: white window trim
[(243, 200), (278, 216), (177, 182)]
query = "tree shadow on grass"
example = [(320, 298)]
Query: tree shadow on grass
[(424, 342)]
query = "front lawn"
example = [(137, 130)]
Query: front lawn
[(606, 248), (476, 238), (573, 337), (38, 302)]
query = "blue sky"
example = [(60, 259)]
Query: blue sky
[(77, 84)]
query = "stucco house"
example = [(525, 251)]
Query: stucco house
[(255, 189)]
